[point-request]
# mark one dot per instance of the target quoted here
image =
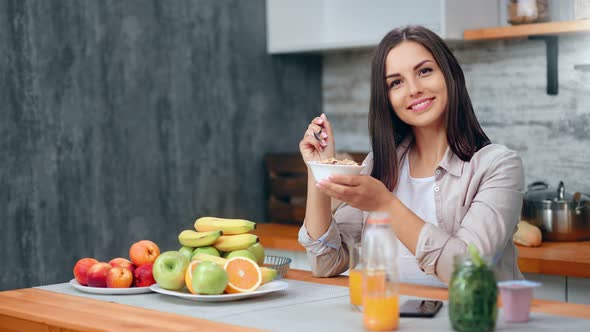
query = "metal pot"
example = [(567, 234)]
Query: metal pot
[(561, 216)]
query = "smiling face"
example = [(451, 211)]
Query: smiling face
[(416, 86)]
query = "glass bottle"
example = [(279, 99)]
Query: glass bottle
[(473, 295), (380, 275)]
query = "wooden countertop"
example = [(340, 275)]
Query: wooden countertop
[(556, 258), (33, 310)]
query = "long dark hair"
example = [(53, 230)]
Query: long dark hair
[(464, 134)]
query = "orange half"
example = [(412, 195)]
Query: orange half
[(244, 275), (188, 276)]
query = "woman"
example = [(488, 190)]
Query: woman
[(432, 168)]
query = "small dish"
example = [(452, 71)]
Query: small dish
[(322, 171), (516, 299), (279, 263), (109, 291)]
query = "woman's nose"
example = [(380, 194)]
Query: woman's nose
[(414, 87)]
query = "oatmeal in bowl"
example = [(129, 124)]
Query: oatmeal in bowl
[(323, 169), (334, 161)]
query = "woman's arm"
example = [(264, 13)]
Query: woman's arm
[(488, 224), (326, 236), (317, 144), (328, 255), (318, 212)]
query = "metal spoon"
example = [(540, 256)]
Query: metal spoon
[(317, 135)]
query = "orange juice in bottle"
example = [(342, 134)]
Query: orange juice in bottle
[(380, 281), (381, 313)]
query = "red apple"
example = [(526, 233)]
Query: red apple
[(122, 262), (119, 277), (143, 252), (81, 269), (97, 274), (144, 276)]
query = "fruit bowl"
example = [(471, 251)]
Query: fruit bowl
[(281, 264)]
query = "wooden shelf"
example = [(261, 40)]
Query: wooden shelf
[(526, 30), (556, 258), (549, 32)]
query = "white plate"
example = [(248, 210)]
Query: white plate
[(270, 287), (109, 291)]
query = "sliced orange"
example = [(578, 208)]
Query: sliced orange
[(244, 275), (188, 276)]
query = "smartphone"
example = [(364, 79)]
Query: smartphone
[(420, 308)]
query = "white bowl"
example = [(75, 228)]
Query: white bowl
[(323, 171)]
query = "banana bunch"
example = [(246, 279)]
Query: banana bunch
[(235, 232), (227, 226), (219, 236), (215, 237)]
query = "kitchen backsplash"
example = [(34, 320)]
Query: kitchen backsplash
[(507, 84)]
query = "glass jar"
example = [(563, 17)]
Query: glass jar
[(473, 296), (528, 11)]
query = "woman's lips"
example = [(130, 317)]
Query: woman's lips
[(421, 105)]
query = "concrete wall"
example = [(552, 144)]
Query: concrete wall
[(507, 84), (125, 120)]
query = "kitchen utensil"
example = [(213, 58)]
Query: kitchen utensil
[(536, 191), (561, 216), (317, 135)]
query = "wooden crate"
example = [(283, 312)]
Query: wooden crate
[(286, 186)]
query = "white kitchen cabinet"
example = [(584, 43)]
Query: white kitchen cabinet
[(323, 25)]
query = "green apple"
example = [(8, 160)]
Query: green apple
[(258, 251), (186, 251), (209, 278), (210, 250), (169, 269), (241, 253)]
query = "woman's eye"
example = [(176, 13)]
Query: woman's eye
[(394, 83), (425, 71)]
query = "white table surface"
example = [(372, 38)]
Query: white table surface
[(306, 307)]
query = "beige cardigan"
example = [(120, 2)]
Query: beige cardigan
[(477, 202)]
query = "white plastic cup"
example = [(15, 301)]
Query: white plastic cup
[(516, 299)]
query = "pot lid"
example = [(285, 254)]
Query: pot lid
[(542, 192)]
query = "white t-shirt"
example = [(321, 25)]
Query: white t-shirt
[(418, 195)]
